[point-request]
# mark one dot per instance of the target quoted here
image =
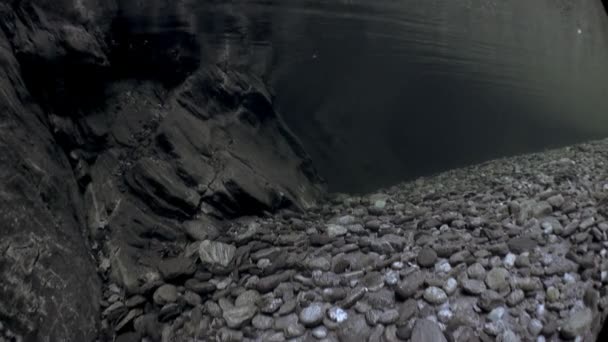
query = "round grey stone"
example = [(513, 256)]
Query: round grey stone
[(426, 257), (435, 295), (312, 315)]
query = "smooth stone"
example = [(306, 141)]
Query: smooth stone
[(165, 294), (497, 279), (354, 328), (435, 295), (335, 230), (535, 327), (489, 300), (515, 297), (337, 314), (553, 294), (176, 267), (508, 336), (577, 324), (426, 257), (216, 256), (236, 317), (427, 331), (473, 287), (312, 315), (476, 271), (262, 322), (450, 286), (497, 314), (249, 297), (522, 244), (320, 332), (409, 286)]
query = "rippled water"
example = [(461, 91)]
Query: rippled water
[(381, 91)]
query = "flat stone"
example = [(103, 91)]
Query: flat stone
[(320, 332), (427, 331), (165, 294), (200, 287), (498, 279), (435, 295), (169, 312), (176, 267), (312, 315), (262, 322), (216, 256), (337, 314), (577, 324), (497, 314), (522, 244), (192, 298), (426, 257), (473, 287), (409, 286), (450, 286), (335, 230), (372, 317), (355, 328), (236, 317), (515, 297), (389, 317), (269, 283), (353, 296), (204, 229), (476, 271), (509, 336), (490, 300), (249, 297)]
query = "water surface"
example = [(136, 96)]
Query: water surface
[(381, 91)]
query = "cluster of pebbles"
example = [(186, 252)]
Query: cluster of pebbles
[(510, 250)]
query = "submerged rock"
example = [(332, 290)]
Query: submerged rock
[(216, 256)]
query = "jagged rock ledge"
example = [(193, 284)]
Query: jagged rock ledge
[(510, 250), (118, 147)]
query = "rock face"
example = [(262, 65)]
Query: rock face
[(113, 134)]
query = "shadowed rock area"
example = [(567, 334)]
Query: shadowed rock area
[(118, 147)]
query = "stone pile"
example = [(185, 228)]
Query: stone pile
[(510, 250)]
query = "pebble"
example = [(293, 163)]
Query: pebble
[(312, 315), (335, 230), (443, 266), (497, 279), (435, 295), (165, 294), (515, 297), (497, 314), (509, 260), (473, 287), (426, 257), (319, 332), (391, 278), (238, 316), (553, 294), (476, 271), (427, 331), (262, 322), (337, 314), (577, 324), (535, 327), (216, 256), (450, 286)]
